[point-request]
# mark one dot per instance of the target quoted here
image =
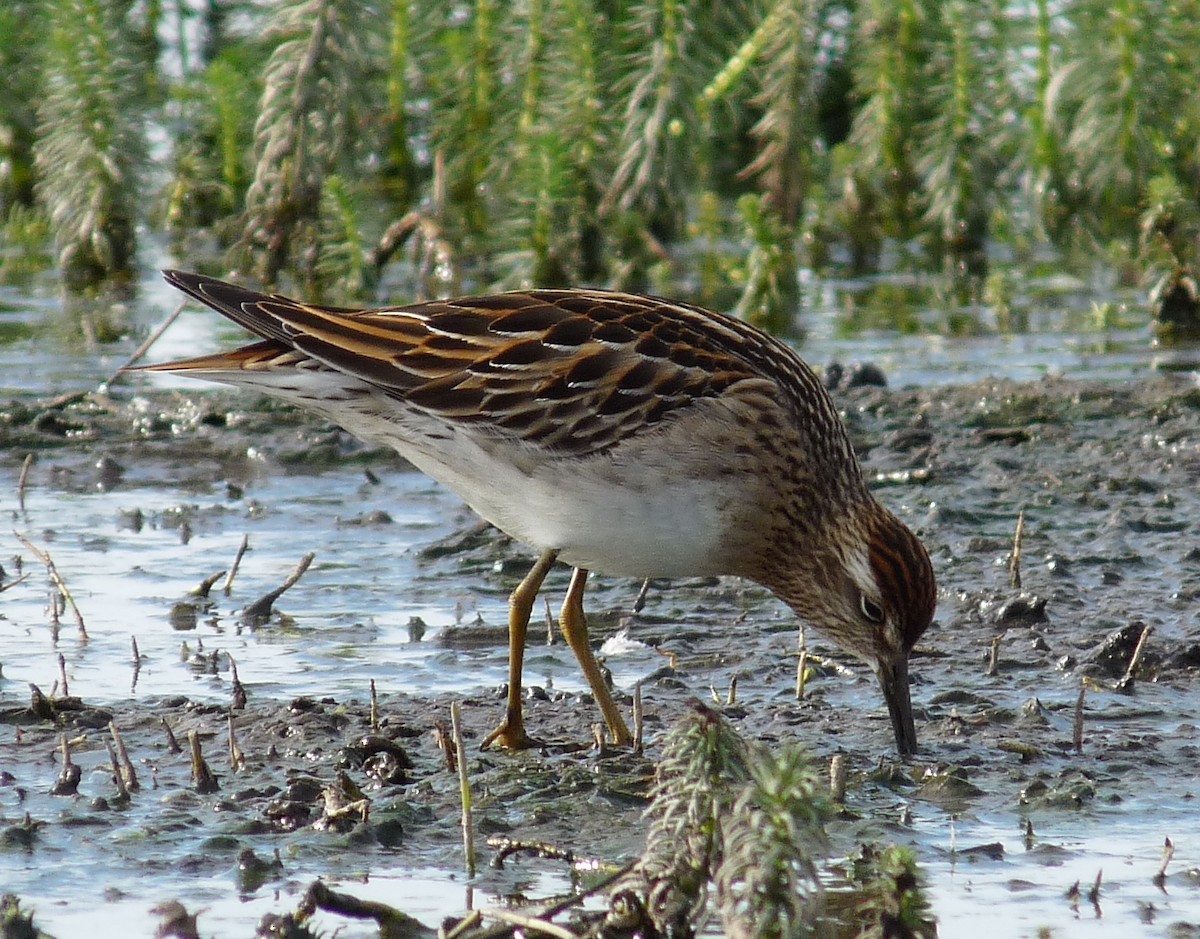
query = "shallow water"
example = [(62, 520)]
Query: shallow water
[(1107, 480)]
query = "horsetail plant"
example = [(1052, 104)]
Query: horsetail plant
[(90, 143)]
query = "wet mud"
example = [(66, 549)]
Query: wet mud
[(1057, 701)]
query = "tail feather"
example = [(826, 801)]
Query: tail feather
[(240, 304), (266, 354)]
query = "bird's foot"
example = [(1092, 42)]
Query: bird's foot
[(511, 736)]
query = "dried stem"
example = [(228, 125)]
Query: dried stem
[(639, 722), (128, 772), (202, 776), (993, 668), (172, 744), (801, 673), (238, 690), (118, 776), (464, 789), (237, 759), (1014, 559), (839, 770), (530, 923)]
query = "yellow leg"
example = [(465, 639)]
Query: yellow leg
[(574, 628), (511, 732)]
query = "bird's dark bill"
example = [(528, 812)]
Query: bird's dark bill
[(893, 678)]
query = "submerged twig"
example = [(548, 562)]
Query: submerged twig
[(260, 609), (145, 346), (62, 673), (23, 480), (464, 789), (639, 720), (392, 922), (639, 602), (374, 708), (237, 759), (46, 560), (12, 583), (1126, 682), (507, 847), (1077, 731), (1168, 852), (205, 586), (227, 587)]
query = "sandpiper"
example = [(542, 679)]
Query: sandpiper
[(625, 434)]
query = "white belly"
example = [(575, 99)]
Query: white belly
[(602, 513), (596, 514)]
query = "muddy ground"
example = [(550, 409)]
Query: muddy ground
[(1107, 477)]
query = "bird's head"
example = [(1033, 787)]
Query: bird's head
[(873, 594)]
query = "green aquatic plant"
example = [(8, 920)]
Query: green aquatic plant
[(1169, 248), (892, 903), (785, 133), (767, 884), (90, 144), (26, 239), (21, 24), (399, 174), (461, 74), (548, 186), (316, 86), (889, 51), (1118, 76), (665, 145), (770, 283), (1045, 173), (703, 765), (343, 260), (670, 50), (956, 154), (211, 166), (740, 821)]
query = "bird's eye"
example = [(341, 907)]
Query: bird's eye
[(872, 610)]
